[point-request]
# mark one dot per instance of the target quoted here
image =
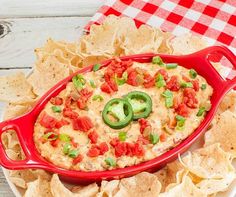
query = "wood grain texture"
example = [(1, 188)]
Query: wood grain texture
[(42, 8), (21, 36)]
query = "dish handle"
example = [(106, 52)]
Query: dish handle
[(223, 51), (22, 127)]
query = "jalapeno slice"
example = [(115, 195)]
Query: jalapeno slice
[(141, 104), (117, 113)]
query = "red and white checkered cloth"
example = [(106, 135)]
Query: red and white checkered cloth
[(214, 20)]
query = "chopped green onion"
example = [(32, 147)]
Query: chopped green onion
[(121, 81), (92, 84), (180, 122), (78, 81), (109, 161), (168, 98), (96, 67), (157, 60), (171, 66), (56, 109), (203, 87), (64, 137), (97, 97), (122, 136), (192, 73), (66, 148), (186, 85), (160, 82), (154, 138), (73, 153), (47, 136), (201, 111)]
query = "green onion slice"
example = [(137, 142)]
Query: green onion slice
[(56, 109), (122, 136), (171, 65), (66, 148), (97, 97), (160, 82), (186, 85), (109, 161), (157, 60), (154, 138), (48, 137), (168, 98), (73, 153), (79, 81), (92, 84), (64, 137), (96, 67), (180, 122), (201, 111), (203, 87), (192, 73)]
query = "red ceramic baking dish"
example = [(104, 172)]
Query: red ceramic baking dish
[(24, 125)]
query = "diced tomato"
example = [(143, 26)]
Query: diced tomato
[(56, 100), (182, 110), (61, 123), (132, 77), (82, 123), (74, 144), (85, 93), (114, 142), (93, 151), (190, 98), (47, 121), (106, 88), (120, 149), (55, 143), (186, 78), (196, 85), (173, 84), (143, 140), (163, 72), (67, 112), (78, 159), (143, 124), (138, 150), (163, 137), (149, 81), (103, 147), (93, 136), (68, 102), (81, 103), (176, 102)]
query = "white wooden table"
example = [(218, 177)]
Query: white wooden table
[(26, 24)]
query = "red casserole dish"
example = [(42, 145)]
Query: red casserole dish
[(24, 125)]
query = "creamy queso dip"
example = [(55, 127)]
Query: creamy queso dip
[(76, 128)]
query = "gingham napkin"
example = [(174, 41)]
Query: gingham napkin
[(214, 20)]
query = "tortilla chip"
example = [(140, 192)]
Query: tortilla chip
[(223, 132), (47, 74), (108, 188), (228, 103), (59, 190), (184, 189), (142, 40), (15, 89), (38, 188), (165, 44), (212, 186), (90, 190), (187, 44), (143, 184), (208, 162)]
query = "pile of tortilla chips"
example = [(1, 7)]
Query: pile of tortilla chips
[(203, 172)]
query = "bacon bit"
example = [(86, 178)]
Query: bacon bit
[(93, 136), (182, 110), (163, 137), (143, 124), (190, 98), (93, 151), (143, 140), (47, 121), (172, 123), (78, 159), (149, 81), (163, 72), (82, 123), (67, 112), (74, 144), (186, 78), (196, 86), (56, 100), (61, 123), (173, 84), (103, 147)]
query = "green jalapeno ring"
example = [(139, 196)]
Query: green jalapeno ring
[(121, 110), (140, 110)]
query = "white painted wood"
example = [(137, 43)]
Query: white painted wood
[(36, 8), (26, 34)]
